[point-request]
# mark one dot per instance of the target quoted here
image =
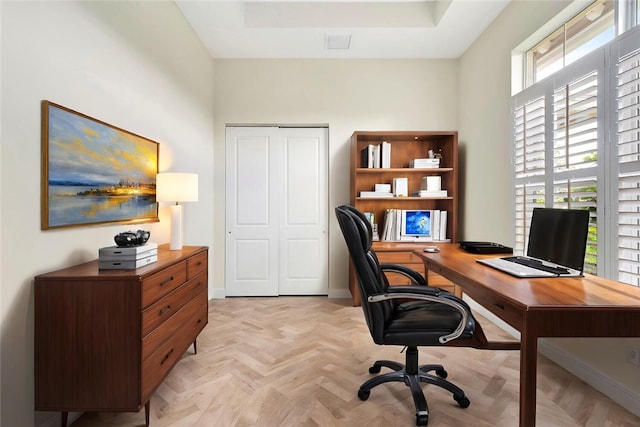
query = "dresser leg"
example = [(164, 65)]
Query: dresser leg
[(195, 348), (147, 407), (63, 418)]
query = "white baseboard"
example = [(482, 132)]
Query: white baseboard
[(54, 420), (619, 393), (334, 294), (219, 293), (339, 294)]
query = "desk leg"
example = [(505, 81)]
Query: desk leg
[(528, 373), (457, 290)]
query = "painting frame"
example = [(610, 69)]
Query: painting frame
[(94, 173)]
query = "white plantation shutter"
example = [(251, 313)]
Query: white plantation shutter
[(628, 158), (586, 118), (556, 137), (581, 193), (529, 163), (575, 148), (530, 138), (527, 197), (575, 124), (629, 229)]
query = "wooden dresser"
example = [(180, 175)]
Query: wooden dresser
[(106, 339)]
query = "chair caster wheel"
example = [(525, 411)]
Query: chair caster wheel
[(364, 394), (442, 373), (375, 369), (462, 401), (422, 420)]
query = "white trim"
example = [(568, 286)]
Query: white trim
[(619, 393), (218, 294), (333, 294), (54, 420), (339, 294)]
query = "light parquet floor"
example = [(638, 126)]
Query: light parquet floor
[(299, 361)]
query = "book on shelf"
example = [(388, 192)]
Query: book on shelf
[(385, 155), (414, 225), (435, 224), (388, 226), (385, 188), (424, 163), (443, 225), (374, 227), (367, 156), (431, 183), (127, 253), (127, 264), (375, 194), (429, 193), (370, 216), (401, 187), (376, 156)]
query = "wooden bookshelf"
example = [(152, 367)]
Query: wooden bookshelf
[(405, 146)]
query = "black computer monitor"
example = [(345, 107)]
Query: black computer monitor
[(559, 236)]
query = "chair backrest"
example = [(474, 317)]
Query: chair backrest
[(357, 233)]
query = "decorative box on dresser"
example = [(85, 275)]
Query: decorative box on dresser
[(405, 146), (106, 339)]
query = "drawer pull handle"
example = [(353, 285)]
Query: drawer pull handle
[(164, 310), (166, 357), (199, 263), (500, 306), (164, 282)]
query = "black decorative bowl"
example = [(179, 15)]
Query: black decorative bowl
[(129, 238)]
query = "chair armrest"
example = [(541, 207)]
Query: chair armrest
[(426, 294), (410, 289), (413, 275)]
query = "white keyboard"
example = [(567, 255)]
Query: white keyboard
[(515, 269)]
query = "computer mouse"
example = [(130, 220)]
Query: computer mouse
[(432, 249)]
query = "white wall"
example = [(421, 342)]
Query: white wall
[(1, 256), (136, 65), (485, 120), (348, 95), (485, 126)]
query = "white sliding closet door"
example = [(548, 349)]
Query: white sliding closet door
[(276, 211)]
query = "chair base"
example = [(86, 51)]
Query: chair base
[(412, 375)]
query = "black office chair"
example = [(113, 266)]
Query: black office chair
[(409, 316)]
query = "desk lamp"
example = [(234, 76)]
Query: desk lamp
[(176, 187)]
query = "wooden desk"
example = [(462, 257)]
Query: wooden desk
[(549, 307)]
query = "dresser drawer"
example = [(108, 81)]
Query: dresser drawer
[(501, 308), (165, 332), (157, 285), (398, 257), (437, 281), (168, 351), (164, 308), (196, 264)]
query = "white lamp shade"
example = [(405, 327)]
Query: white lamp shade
[(176, 187)]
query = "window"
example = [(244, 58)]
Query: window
[(590, 29), (576, 142)]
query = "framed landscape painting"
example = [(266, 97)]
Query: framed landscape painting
[(94, 173)]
